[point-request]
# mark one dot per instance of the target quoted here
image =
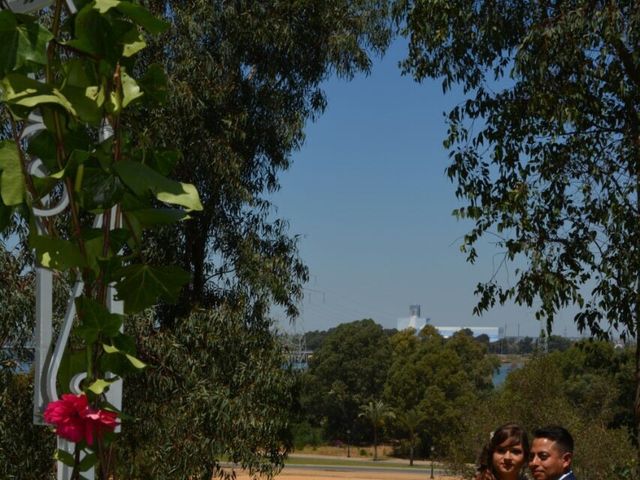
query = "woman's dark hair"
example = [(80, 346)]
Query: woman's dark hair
[(509, 431)]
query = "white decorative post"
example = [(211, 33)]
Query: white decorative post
[(49, 348)]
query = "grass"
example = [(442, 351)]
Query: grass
[(356, 451), (345, 462)]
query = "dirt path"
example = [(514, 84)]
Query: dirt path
[(326, 473)]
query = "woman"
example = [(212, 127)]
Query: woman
[(505, 454)]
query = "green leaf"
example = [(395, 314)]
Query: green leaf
[(43, 146), (130, 89), (86, 102), (154, 83), (96, 320), (95, 36), (56, 253), (140, 286), (12, 188), (142, 179), (132, 42), (64, 457), (100, 385), (142, 17), (79, 73), (135, 362), (158, 216), (103, 6), (100, 190), (22, 42), (87, 462), (21, 90), (73, 362)]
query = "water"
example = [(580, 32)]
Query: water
[(501, 375)]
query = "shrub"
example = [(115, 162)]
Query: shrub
[(25, 449)]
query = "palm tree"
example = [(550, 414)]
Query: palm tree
[(376, 412), (411, 420)]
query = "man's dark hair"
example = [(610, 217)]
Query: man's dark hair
[(559, 435)]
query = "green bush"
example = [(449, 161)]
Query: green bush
[(306, 435), (26, 450)]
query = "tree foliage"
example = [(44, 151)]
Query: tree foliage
[(377, 414), (438, 379), (586, 388), (248, 78), (347, 371), (243, 78), (65, 92), (217, 391), (25, 449), (546, 149)]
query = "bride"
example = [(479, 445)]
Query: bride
[(505, 454)]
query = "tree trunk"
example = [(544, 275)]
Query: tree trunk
[(637, 399), (411, 454), (375, 444), (637, 305)]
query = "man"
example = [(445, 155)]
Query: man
[(551, 454)]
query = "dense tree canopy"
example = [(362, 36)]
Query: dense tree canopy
[(348, 370), (439, 379), (217, 390), (546, 149), (244, 78), (588, 388), (248, 76)]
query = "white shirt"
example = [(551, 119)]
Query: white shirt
[(566, 475)]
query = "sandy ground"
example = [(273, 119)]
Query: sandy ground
[(325, 473)]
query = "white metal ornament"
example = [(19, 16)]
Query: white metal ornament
[(48, 355)]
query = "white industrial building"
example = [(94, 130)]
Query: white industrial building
[(417, 322)]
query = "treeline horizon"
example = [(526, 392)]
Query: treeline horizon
[(436, 397)]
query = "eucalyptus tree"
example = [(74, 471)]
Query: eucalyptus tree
[(545, 150), (245, 78)]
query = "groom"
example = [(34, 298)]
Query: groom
[(551, 454)]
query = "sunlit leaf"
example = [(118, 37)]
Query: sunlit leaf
[(56, 253), (21, 90), (141, 180), (103, 6), (100, 385), (135, 362), (130, 89), (12, 189)]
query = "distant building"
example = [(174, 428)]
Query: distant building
[(494, 333), (416, 322)]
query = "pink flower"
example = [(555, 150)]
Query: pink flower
[(75, 420)]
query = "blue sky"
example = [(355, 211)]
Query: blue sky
[(369, 196)]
